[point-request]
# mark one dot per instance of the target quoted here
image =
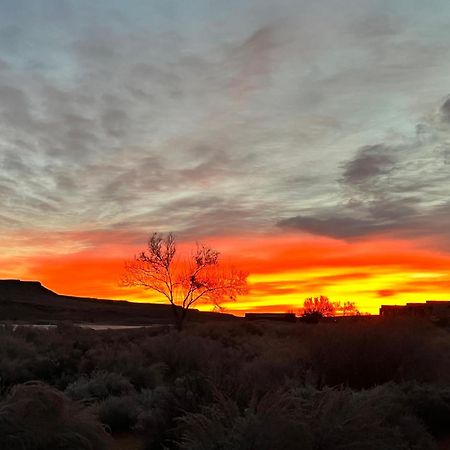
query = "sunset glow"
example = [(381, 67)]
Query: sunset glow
[(306, 141), (224, 224), (284, 269)]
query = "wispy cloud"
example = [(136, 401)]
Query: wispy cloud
[(105, 123), (395, 188), (329, 118)]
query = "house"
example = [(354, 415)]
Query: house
[(439, 309), (435, 310), (284, 317), (392, 310)]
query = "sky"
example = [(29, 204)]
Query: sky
[(307, 141)]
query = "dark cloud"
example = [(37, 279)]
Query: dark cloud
[(391, 211), (369, 162), (383, 218), (333, 226), (394, 218), (445, 110), (399, 189), (198, 215)]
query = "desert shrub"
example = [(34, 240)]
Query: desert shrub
[(148, 376), (275, 367), (37, 417), (99, 386), (365, 355), (18, 359), (307, 418), (157, 412), (159, 408), (109, 351), (118, 413), (266, 424), (230, 334), (181, 354), (99, 358), (376, 419), (46, 355), (151, 411), (431, 404), (142, 381)]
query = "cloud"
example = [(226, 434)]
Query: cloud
[(370, 161), (220, 125), (14, 106), (445, 110), (334, 226), (393, 188), (386, 292)]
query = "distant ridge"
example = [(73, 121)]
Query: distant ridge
[(30, 301), (10, 288), (33, 291)]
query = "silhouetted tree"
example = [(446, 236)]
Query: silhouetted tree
[(183, 281), (315, 308), (347, 309)]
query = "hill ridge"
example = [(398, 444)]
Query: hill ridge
[(23, 300)]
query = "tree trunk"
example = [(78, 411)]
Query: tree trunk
[(176, 317), (179, 314)]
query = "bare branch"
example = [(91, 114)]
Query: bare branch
[(183, 282)]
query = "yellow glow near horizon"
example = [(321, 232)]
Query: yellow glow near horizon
[(283, 271)]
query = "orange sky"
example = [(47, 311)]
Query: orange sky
[(284, 269), (311, 142)]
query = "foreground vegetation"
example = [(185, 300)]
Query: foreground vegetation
[(262, 386)]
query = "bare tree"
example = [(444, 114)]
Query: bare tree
[(315, 308), (184, 281), (348, 309), (321, 305)]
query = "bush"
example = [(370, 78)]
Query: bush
[(34, 416), (157, 410), (375, 419), (118, 413), (431, 404), (362, 355), (393, 380), (99, 386), (17, 359), (308, 419), (267, 424)]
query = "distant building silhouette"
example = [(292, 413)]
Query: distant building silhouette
[(284, 317), (436, 310)]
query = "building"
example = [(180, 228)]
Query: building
[(436, 310), (392, 311), (284, 317)]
